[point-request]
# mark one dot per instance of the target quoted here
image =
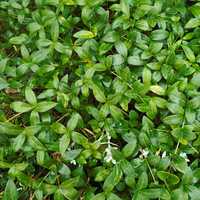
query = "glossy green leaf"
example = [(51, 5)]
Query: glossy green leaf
[(30, 96), (159, 35), (55, 30), (113, 179), (135, 60), (121, 48), (18, 39), (3, 84), (18, 142), (193, 23), (44, 106), (21, 107), (189, 53), (84, 34), (10, 191), (99, 196), (98, 93), (142, 181), (184, 134), (73, 121), (168, 177), (64, 143)]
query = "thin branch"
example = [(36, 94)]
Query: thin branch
[(154, 179), (61, 118), (13, 117)]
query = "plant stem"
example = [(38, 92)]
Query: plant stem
[(13, 117)]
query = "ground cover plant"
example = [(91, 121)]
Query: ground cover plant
[(99, 99)]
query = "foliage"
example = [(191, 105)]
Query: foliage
[(99, 99)]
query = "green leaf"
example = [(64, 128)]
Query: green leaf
[(189, 53), (196, 79), (80, 139), (195, 10), (59, 47), (5, 165), (40, 157), (135, 60), (194, 193), (34, 118), (35, 143), (21, 107), (104, 47), (113, 196), (71, 154), (9, 128), (179, 194), (142, 25), (184, 134), (3, 84), (101, 175), (121, 48), (157, 90), (155, 47), (18, 142), (58, 195), (173, 120), (18, 39), (125, 8), (34, 27), (45, 106), (154, 193), (64, 143), (30, 96), (3, 63), (142, 181), (98, 93), (146, 76), (58, 128), (10, 191), (24, 52), (159, 35), (193, 23), (99, 196), (117, 59), (180, 164), (55, 31), (73, 121), (129, 148), (113, 179), (168, 177), (40, 55), (116, 112), (70, 193), (83, 34), (111, 37)]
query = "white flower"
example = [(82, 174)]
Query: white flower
[(144, 153), (108, 157), (184, 155), (73, 162), (164, 154)]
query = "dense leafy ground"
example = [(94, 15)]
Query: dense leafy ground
[(99, 99)]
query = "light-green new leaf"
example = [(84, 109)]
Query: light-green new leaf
[(21, 107), (193, 23), (189, 53), (83, 34), (113, 179), (10, 191), (44, 106), (30, 95)]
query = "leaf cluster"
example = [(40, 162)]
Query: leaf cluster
[(99, 99)]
